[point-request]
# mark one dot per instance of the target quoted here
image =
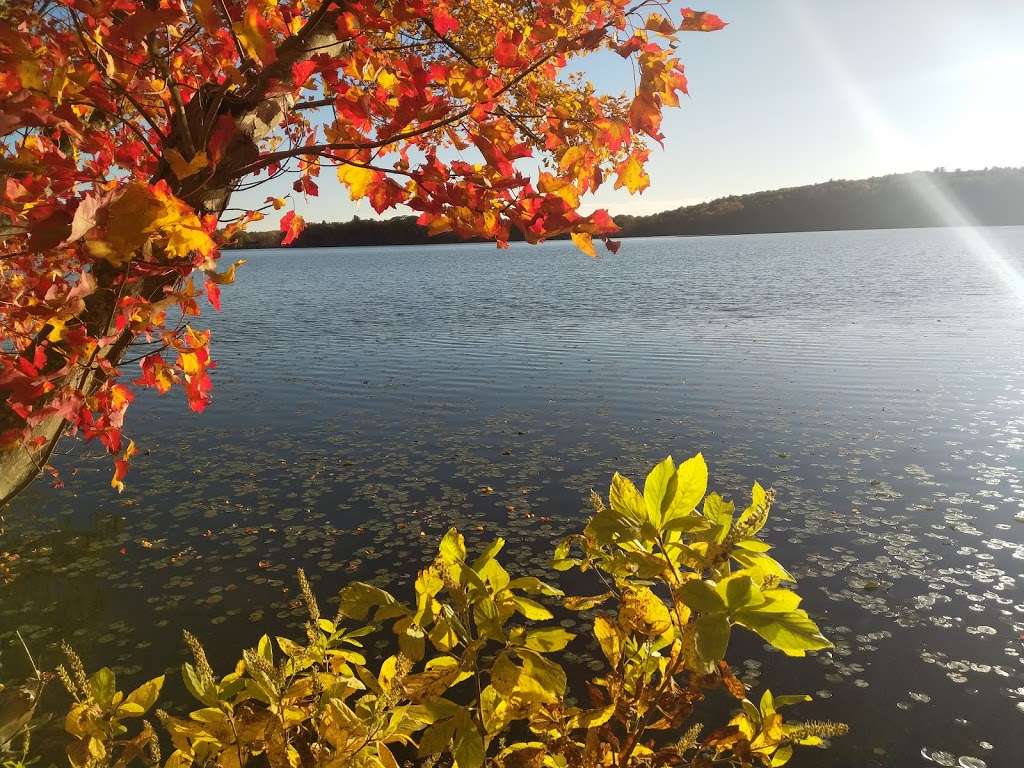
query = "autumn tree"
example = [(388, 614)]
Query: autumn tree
[(128, 124)]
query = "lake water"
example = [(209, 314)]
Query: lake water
[(364, 396)]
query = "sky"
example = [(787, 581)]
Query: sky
[(800, 91)]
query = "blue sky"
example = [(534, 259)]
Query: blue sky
[(799, 91)]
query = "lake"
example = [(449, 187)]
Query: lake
[(364, 397)]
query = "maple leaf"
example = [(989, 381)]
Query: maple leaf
[(213, 294), (506, 48), (254, 33), (121, 467), (292, 225), (228, 275), (701, 21), (584, 242), (357, 179), (301, 71), (183, 169), (223, 131), (632, 176), (444, 22)]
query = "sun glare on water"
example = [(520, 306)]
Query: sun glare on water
[(1000, 81)]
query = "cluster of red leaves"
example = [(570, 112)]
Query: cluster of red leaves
[(127, 123)]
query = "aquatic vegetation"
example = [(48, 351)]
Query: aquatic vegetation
[(473, 674)]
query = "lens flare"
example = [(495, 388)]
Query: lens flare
[(896, 150)]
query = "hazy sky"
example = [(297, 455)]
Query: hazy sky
[(799, 91)]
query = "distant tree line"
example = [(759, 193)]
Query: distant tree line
[(990, 197)]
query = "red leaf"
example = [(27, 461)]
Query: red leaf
[(444, 22), (292, 225), (213, 294), (221, 136), (301, 70), (506, 48), (700, 21)]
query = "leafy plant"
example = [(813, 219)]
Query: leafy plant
[(474, 678)]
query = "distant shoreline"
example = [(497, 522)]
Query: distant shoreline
[(990, 197)]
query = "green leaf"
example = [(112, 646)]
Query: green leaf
[(585, 602), (540, 679), (691, 485), (495, 711), (531, 609), (591, 718), (712, 636), (779, 601), (139, 701), (532, 753), (763, 565), (547, 640), (453, 547), (625, 500), (196, 686), (437, 737), (561, 560), (782, 755), (358, 599), (467, 744), (609, 637), (718, 510), (701, 596), (488, 554), (534, 586), (103, 686), (754, 545), (289, 648), (790, 699), (688, 523), (793, 633), (660, 490), (758, 505), (739, 591)]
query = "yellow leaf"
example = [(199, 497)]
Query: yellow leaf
[(585, 243), (644, 612), (632, 176), (189, 362), (184, 240), (56, 329), (357, 179), (609, 637), (28, 73), (557, 185), (183, 169), (227, 276)]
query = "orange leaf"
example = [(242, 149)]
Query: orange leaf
[(183, 169), (632, 176), (585, 243), (700, 21), (254, 33)]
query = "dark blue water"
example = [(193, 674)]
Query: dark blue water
[(365, 396)]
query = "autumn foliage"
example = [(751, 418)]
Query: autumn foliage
[(128, 124)]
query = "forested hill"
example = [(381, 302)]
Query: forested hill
[(990, 197)]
